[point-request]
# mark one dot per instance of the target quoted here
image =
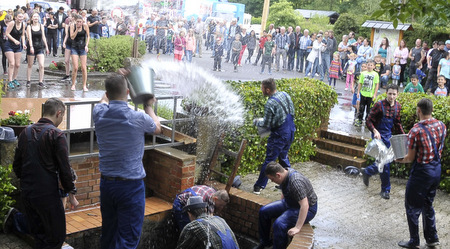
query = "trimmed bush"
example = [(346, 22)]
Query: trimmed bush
[(6, 189), (441, 105), (312, 100), (108, 54)]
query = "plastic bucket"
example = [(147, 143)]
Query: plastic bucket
[(399, 145), (141, 84)]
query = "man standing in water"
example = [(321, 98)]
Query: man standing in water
[(120, 135), (425, 144), (279, 118), (384, 117)]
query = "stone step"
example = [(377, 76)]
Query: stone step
[(338, 159), (339, 147), (343, 137)]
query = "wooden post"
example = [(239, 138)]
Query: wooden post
[(265, 15)]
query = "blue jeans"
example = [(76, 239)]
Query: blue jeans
[(297, 60), (189, 55), (122, 205), (303, 55), (314, 68), (384, 80), (325, 67), (286, 218), (60, 37), (94, 35)]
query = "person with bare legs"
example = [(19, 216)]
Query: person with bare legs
[(15, 32), (79, 33), (67, 46), (37, 47)]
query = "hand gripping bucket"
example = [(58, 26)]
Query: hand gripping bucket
[(141, 84), (399, 145)]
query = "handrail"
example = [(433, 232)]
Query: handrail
[(91, 128)]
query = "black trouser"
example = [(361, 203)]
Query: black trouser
[(250, 54), (260, 51), (46, 220), (291, 57), (2, 44), (402, 74), (161, 44), (364, 103), (431, 80), (217, 62), (235, 57), (51, 42), (412, 69), (149, 39)]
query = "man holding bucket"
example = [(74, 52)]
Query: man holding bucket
[(384, 117), (120, 134), (425, 144)]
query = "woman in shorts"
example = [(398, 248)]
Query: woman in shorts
[(37, 46), (15, 32), (67, 45), (79, 33)]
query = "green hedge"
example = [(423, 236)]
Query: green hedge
[(6, 188), (312, 99), (441, 105), (108, 54)]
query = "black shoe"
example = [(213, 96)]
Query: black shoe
[(365, 177), (256, 190), (8, 222), (277, 186), (433, 243), (407, 244), (41, 85), (385, 195), (67, 77), (28, 84)]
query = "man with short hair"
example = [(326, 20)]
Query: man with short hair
[(93, 21), (199, 30), (282, 45), (297, 207), (304, 40), (433, 62), (425, 145), (41, 162), (279, 118), (384, 119), (447, 46), (215, 201), (296, 44), (61, 17), (326, 57), (161, 26), (204, 230), (120, 134), (233, 30), (415, 55), (150, 26), (291, 51)]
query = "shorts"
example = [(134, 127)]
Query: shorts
[(355, 98), (11, 47), (79, 52), (36, 51), (69, 47)]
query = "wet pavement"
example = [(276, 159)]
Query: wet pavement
[(350, 215)]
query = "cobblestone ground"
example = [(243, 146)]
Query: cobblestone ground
[(10, 241), (351, 215)]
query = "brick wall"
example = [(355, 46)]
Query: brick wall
[(88, 182)]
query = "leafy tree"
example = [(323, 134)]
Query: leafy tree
[(283, 14), (435, 11), (344, 25), (253, 7)]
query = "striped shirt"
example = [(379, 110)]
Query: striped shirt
[(419, 140), (299, 187), (274, 114)]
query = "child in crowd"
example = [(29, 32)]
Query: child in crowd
[(378, 64), (262, 40), (351, 69), (419, 72), (335, 68), (414, 86), (236, 47), (367, 90), (104, 28), (179, 45), (218, 53), (385, 73), (356, 97), (169, 36), (190, 45), (396, 70), (268, 53), (441, 89)]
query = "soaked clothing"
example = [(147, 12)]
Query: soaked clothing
[(10, 46), (197, 234), (80, 40), (274, 115), (418, 139), (297, 187), (376, 114), (38, 44)]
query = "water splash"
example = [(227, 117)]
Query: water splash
[(211, 97)]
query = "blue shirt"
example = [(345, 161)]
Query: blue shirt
[(120, 136)]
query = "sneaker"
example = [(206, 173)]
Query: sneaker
[(11, 85), (358, 123), (385, 195), (407, 244), (433, 244), (41, 85), (346, 89), (16, 83), (28, 84), (67, 77), (277, 186), (5, 73), (256, 190), (8, 222)]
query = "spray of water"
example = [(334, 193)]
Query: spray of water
[(209, 95)]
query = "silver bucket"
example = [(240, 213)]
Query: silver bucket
[(141, 83), (399, 145)]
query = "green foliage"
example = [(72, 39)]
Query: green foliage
[(344, 24), (253, 7), (313, 101), (404, 11), (441, 105), (108, 54), (359, 7), (256, 20), (282, 14), (6, 188), (315, 24), (17, 118)]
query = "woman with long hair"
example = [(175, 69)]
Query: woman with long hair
[(79, 33), (15, 32), (3, 26), (52, 33), (251, 45), (37, 46), (401, 53), (385, 50), (67, 45)]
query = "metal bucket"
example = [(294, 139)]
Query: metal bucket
[(141, 84), (399, 145)]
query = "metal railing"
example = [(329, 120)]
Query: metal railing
[(169, 141)]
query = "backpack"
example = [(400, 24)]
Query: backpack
[(227, 239)]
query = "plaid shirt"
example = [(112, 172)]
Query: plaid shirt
[(419, 140), (196, 234), (300, 187), (203, 191), (376, 114), (274, 114)]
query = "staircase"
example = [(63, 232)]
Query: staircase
[(339, 149)]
